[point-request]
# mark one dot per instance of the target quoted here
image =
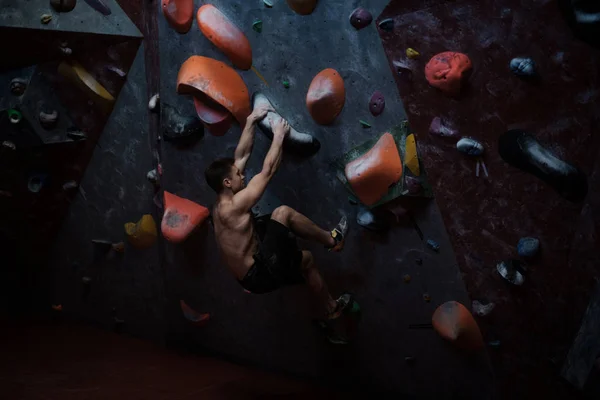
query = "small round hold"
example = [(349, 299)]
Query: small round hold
[(14, 116), (528, 246), (257, 26), (48, 120), (524, 67), (35, 183), (46, 18), (360, 18), (67, 51), (152, 176), (18, 86), (63, 5), (387, 25), (377, 103), (406, 278), (154, 103), (469, 147), (426, 297)]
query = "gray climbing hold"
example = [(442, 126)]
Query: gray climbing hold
[(7, 144), (481, 309), (360, 18), (296, 142), (364, 124), (469, 146), (154, 103), (387, 25), (76, 134), (528, 246), (36, 182), (48, 120), (46, 18), (377, 103), (69, 185), (268, 3), (523, 67), (511, 271)]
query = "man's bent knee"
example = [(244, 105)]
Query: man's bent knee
[(307, 259), (282, 215)]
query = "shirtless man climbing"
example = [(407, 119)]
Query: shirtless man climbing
[(263, 264)]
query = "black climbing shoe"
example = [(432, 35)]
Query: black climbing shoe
[(339, 234), (523, 151)]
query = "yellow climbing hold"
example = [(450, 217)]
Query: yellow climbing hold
[(86, 82), (142, 234), (412, 53), (410, 155)]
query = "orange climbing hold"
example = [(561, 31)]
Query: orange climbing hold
[(179, 14), (371, 175), (181, 217), (192, 315), (326, 96), (215, 117), (225, 35), (455, 323), (203, 76), (302, 7), (447, 71)]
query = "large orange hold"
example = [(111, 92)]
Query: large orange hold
[(213, 115), (179, 14), (204, 76), (371, 175), (447, 71), (225, 35), (326, 96), (455, 323), (181, 217), (302, 7)]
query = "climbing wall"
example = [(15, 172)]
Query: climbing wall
[(274, 331), (486, 216)]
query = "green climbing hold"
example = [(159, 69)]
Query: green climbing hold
[(286, 84), (257, 26), (268, 3), (365, 124), (14, 116), (355, 308)]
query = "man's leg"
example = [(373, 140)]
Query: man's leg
[(301, 226), (317, 284)]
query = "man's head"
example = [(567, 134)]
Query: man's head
[(222, 175)]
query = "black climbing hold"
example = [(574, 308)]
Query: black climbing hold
[(299, 143), (377, 219), (101, 248), (433, 245), (523, 151), (360, 18), (413, 185), (387, 24), (76, 134), (48, 119), (179, 129), (469, 146), (377, 103), (18, 86), (37, 182), (419, 261), (523, 67), (99, 6), (409, 360), (257, 25)]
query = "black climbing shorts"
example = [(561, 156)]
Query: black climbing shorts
[(277, 263)]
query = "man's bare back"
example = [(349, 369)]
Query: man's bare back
[(235, 236)]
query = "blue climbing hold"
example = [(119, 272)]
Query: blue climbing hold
[(433, 245), (528, 247)]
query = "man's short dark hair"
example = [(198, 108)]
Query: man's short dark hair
[(217, 171)]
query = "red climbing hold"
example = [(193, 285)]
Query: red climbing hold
[(181, 217), (179, 14), (455, 323), (372, 174), (326, 96), (447, 71), (214, 116), (193, 316)]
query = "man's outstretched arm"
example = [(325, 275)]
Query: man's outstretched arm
[(248, 197), (244, 147)]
